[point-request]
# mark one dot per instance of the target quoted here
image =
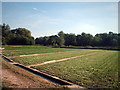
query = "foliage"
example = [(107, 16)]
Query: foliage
[(22, 36), (21, 31), (70, 39), (19, 36), (111, 39), (61, 38), (85, 39)]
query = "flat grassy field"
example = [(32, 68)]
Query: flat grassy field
[(29, 60), (13, 50), (98, 71)]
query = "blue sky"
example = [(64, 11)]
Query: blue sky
[(48, 18)]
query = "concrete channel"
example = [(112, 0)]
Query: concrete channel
[(48, 77)]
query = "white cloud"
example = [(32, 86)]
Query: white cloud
[(35, 9), (41, 11)]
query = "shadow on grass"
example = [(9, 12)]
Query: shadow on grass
[(98, 48)]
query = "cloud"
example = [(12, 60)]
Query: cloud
[(41, 11), (35, 9)]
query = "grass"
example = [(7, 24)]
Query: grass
[(94, 71), (99, 70), (28, 60), (13, 50)]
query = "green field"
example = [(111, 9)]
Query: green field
[(100, 70), (25, 50), (28, 60)]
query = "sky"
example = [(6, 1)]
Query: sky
[(48, 18)]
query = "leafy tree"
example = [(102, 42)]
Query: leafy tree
[(97, 41), (53, 40), (19, 36), (78, 40), (70, 39), (39, 40), (5, 27), (114, 42), (61, 38), (86, 39), (45, 40), (67, 40), (22, 31), (5, 33)]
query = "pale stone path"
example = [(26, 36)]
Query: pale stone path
[(39, 54), (76, 87), (53, 61)]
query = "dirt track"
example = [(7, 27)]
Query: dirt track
[(15, 81), (39, 54), (12, 79), (53, 61)]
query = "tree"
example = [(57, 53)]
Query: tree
[(22, 31), (39, 40), (53, 40), (97, 41), (7, 27), (5, 33), (19, 36), (78, 40), (67, 40), (45, 40), (86, 39), (61, 38), (70, 39), (114, 42)]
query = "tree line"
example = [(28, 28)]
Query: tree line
[(22, 36), (62, 39), (18, 36)]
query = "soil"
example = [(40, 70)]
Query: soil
[(12, 79)]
